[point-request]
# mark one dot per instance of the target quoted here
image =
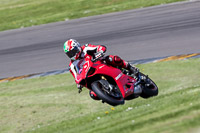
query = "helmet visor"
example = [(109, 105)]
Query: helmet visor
[(72, 52)]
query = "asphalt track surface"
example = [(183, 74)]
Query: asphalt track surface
[(135, 34)]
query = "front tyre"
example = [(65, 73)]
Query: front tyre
[(112, 98), (150, 89)]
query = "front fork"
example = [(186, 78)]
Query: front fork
[(142, 81), (138, 85)]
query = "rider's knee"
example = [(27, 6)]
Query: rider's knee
[(114, 60)]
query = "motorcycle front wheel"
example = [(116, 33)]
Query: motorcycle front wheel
[(150, 90)]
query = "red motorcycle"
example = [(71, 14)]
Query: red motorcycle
[(112, 85)]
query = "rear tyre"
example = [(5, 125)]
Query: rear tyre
[(101, 92)]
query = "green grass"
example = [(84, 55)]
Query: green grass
[(24, 13), (52, 104)]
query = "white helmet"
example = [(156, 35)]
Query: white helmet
[(72, 49)]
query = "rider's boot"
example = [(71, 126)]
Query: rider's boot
[(134, 70)]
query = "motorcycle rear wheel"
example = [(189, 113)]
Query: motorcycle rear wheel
[(98, 88)]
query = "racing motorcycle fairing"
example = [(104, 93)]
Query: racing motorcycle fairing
[(86, 70)]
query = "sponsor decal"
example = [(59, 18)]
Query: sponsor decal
[(119, 76), (101, 66)]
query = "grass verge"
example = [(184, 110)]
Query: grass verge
[(52, 104), (24, 13)]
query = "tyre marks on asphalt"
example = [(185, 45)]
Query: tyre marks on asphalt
[(135, 62)]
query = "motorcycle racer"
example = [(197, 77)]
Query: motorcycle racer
[(75, 51)]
